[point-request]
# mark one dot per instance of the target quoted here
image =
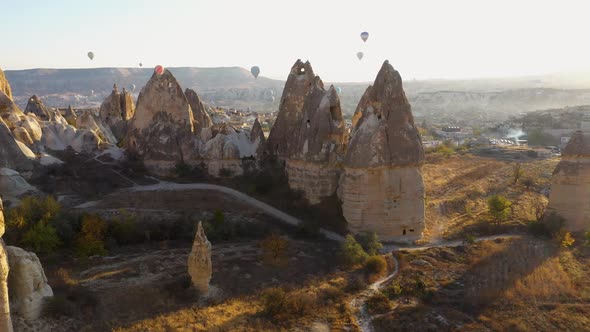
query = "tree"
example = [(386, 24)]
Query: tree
[(90, 240), (42, 238), (517, 172), (499, 208), (528, 182), (352, 252), (565, 238), (370, 242)]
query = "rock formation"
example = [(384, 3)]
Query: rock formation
[(57, 136), (36, 106), (200, 116), (257, 137), (161, 131), (570, 184), (224, 147), (4, 85), (116, 109), (382, 189), (5, 321), (199, 261), (88, 121), (299, 83), (70, 116), (13, 185), (27, 283), (11, 156)]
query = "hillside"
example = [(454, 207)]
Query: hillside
[(234, 87)]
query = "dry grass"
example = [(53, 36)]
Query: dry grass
[(521, 284), (457, 189)]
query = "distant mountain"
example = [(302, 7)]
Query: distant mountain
[(234, 87)]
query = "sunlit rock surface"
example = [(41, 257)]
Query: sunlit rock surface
[(199, 261), (382, 189)]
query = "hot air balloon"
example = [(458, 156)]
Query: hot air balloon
[(133, 87), (365, 36), (91, 55), (339, 90), (141, 64), (255, 71), (360, 55), (159, 70)]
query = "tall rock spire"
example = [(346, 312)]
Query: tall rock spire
[(382, 189), (199, 261)]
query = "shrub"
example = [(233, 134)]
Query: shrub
[(565, 239), (32, 210), (124, 228), (355, 284), (378, 304), (370, 242), (468, 239), (528, 183), (90, 240), (499, 208), (273, 301), (375, 265), (517, 173), (182, 169), (352, 252), (394, 290), (42, 238), (300, 304), (274, 248)]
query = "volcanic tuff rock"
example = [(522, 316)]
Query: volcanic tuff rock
[(199, 261), (5, 321), (312, 163), (88, 121), (200, 116), (4, 85), (27, 283), (161, 131), (116, 109), (11, 156), (382, 189), (70, 116), (570, 184), (299, 83), (13, 185), (36, 106), (57, 136)]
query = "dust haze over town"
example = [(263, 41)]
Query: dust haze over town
[(312, 166)]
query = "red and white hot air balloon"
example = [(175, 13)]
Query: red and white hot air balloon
[(159, 70)]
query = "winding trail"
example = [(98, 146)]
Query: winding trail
[(266, 208), (358, 303)]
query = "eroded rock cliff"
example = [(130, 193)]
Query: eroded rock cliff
[(199, 261)]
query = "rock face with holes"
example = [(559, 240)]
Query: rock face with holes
[(200, 116), (382, 189), (299, 83), (570, 184), (161, 131), (5, 321), (314, 162), (27, 283), (199, 261)]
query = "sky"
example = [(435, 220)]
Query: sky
[(422, 39)]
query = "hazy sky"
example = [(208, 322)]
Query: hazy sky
[(422, 39)]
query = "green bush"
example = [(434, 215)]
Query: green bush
[(352, 252), (499, 208), (548, 227), (370, 242), (394, 290), (182, 169), (42, 238), (375, 265), (90, 240), (21, 219)]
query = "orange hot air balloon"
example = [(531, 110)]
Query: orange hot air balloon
[(159, 70)]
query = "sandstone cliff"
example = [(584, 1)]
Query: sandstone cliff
[(382, 189), (27, 283), (161, 131), (199, 261), (570, 184)]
